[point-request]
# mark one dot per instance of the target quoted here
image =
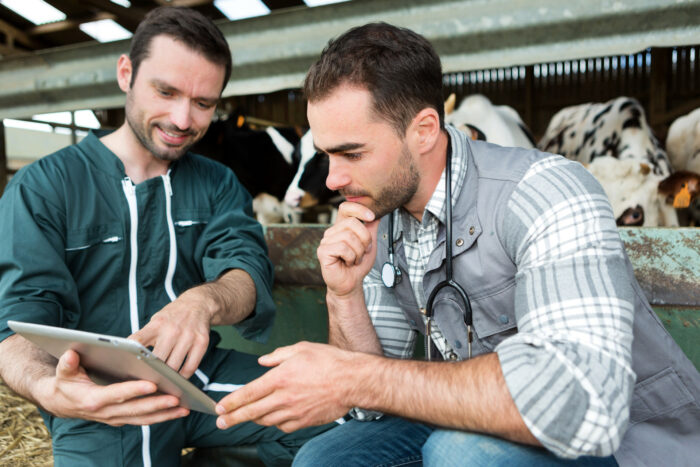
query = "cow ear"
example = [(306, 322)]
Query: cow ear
[(450, 104), (644, 169)]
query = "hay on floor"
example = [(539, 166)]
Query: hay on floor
[(24, 439)]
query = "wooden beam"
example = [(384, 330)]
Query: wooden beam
[(15, 34), (658, 86), (129, 18), (68, 24), (679, 110)]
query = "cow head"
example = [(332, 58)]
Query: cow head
[(632, 188), (308, 187)]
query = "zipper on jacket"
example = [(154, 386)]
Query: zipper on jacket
[(172, 259), (114, 239), (130, 193)]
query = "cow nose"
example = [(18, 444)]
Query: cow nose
[(632, 217)]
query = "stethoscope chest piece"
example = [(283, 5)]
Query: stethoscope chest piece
[(391, 275)]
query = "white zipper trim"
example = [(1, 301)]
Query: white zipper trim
[(172, 260), (130, 193), (145, 445), (85, 247), (189, 223)]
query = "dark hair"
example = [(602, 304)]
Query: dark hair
[(399, 68), (185, 25)]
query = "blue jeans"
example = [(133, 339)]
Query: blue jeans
[(393, 441)]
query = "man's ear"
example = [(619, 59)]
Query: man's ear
[(124, 72), (425, 129)]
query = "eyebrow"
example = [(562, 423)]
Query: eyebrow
[(345, 147), (165, 86)]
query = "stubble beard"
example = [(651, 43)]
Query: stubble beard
[(400, 189), (134, 119)]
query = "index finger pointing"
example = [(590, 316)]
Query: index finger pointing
[(251, 392)]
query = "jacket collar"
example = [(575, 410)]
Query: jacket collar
[(104, 159)]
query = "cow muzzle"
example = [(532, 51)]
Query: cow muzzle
[(632, 217)]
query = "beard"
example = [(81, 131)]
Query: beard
[(398, 192), (144, 132)]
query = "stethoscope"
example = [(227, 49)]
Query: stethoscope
[(391, 274)]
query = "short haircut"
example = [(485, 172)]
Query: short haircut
[(399, 68), (186, 26)]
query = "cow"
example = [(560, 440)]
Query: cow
[(683, 142), (633, 190), (263, 160), (617, 128), (308, 187), (682, 191), (482, 120)]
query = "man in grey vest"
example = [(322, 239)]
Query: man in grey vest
[(552, 355)]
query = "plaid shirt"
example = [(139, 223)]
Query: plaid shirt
[(582, 343)]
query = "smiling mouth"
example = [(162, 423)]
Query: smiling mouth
[(173, 138)]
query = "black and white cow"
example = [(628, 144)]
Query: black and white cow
[(617, 128), (479, 118), (308, 187), (263, 160)]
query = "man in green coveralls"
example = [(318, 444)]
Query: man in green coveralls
[(129, 234)]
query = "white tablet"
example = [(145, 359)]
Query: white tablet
[(109, 359)]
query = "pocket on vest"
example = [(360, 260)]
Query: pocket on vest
[(658, 394)]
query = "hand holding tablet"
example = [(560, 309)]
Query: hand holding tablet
[(110, 359)]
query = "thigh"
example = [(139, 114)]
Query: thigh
[(389, 441), (83, 443), (446, 447)]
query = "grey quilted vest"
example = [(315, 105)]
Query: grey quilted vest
[(664, 426)]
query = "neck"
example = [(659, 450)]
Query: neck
[(139, 163), (431, 166)]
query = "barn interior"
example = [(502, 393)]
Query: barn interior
[(58, 81)]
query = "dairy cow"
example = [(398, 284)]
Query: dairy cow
[(479, 118), (308, 186), (683, 142), (633, 190), (263, 160), (617, 128)]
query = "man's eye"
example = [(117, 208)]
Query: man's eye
[(164, 93), (204, 105), (352, 155)]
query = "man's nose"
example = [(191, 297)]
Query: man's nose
[(181, 114), (338, 176)]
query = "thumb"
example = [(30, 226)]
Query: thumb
[(68, 364)]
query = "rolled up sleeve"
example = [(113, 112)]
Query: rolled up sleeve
[(568, 368)]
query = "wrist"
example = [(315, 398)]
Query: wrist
[(360, 372), (202, 301)]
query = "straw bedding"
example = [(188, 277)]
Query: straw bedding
[(24, 440)]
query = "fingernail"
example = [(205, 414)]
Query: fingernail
[(220, 423), (220, 410), (369, 216)]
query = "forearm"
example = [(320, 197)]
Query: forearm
[(349, 324), (229, 299), (24, 367), (470, 395)]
